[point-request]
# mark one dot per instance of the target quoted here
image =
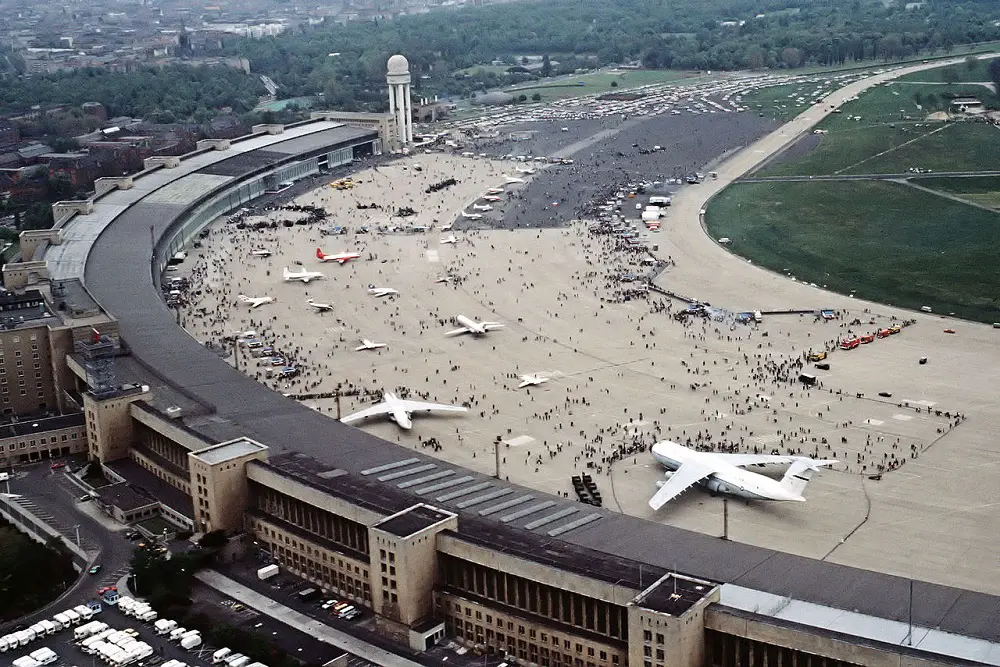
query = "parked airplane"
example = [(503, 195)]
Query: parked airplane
[(482, 207), (495, 191), (381, 291), (256, 301), (447, 227), (471, 216), (510, 180), (399, 410), (444, 279), (724, 473), (451, 238), (261, 253), (472, 327), (492, 198), (526, 170), (320, 307), (340, 257), (368, 345), (531, 381), (302, 276)]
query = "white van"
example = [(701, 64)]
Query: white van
[(220, 655), (164, 626), (242, 661), (177, 633), (44, 656)]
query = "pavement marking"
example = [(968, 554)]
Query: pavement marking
[(874, 422), (433, 256), (902, 418), (519, 441), (926, 404)]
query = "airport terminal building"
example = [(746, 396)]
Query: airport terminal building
[(432, 549)]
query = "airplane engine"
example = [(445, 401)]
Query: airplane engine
[(717, 486), (661, 482)]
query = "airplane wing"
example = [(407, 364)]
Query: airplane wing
[(256, 303), (743, 460), (493, 325), (455, 332), (420, 406), (687, 475), (373, 411)]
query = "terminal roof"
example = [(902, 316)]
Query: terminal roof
[(412, 520)]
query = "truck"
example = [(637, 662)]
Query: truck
[(241, 661), (74, 618), (147, 615), (86, 630), (49, 626), (125, 602), (177, 633), (86, 613), (191, 641), (6, 640), (25, 661), (44, 656), (164, 626), (220, 655), (88, 644), (38, 629), (140, 652), (25, 637), (267, 572), (234, 657), (62, 619)]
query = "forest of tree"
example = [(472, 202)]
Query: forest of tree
[(683, 34), (31, 574)]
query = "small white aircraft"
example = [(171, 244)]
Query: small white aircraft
[(368, 345), (526, 170), (451, 238), (340, 257), (531, 381), (470, 326), (301, 276), (320, 307), (471, 216), (444, 279), (492, 198), (263, 252), (381, 291), (256, 301), (724, 473), (495, 191), (482, 207), (447, 227), (399, 410), (510, 180)]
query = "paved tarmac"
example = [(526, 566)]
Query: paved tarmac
[(625, 373)]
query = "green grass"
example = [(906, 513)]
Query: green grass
[(962, 73), (881, 240), (598, 82), (779, 102), (957, 147), (983, 190)]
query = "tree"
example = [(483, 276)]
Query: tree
[(994, 72), (215, 539), (614, 84), (546, 66), (537, 97), (971, 62), (522, 98), (791, 57), (949, 75)]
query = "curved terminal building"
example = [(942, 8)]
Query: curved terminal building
[(434, 550)]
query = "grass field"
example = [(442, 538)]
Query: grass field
[(780, 102), (983, 190), (878, 240), (962, 73), (598, 82)]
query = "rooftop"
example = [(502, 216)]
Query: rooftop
[(43, 425), (227, 451), (413, 520), (138, 476), (125, 497), (674, 595)]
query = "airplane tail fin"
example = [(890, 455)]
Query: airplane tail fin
[(320, 254), (799, 473), (285, 272), (243, 297)]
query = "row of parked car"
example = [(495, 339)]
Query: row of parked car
[(61, 621), (116, 648)]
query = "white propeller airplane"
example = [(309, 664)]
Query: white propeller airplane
[(447, 227), (482, 207), (301, 276), (368, 345), (492, 198), (399, 410), (340, 257), (381, 291), (450, 239), (526, 170), (320, 307), (472, 216), (510, 180), (256, 301), (470, 326), (724, 473), (495, 191), (531, 381), (444, 279), (263, 252)]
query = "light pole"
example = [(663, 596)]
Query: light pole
[(77, 529)]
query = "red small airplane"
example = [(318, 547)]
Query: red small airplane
[(340, 257)]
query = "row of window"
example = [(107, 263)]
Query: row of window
[(41, 441), (311, 519), (531, 651)]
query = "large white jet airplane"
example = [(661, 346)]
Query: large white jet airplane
[(470, 326), (368, 345), (447, 227), (263, 252), (451, 238), (381, 291), (724, 473), (492, 198), (531, 381), (340, 257), (472, 216), (320, 307), (495, 191), (526, 170), (482, 207), (302, 276), (510, 180), (399, 410), (256, 301)]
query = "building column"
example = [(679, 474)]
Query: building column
[(392, 100), (400, 114), (409, 116)]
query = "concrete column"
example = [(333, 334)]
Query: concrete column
[(400, 114), (392, 100), (409, 116)]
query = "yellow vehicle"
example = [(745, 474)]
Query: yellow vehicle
[(816, 356)]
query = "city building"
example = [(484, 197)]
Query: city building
[(433, 550)]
